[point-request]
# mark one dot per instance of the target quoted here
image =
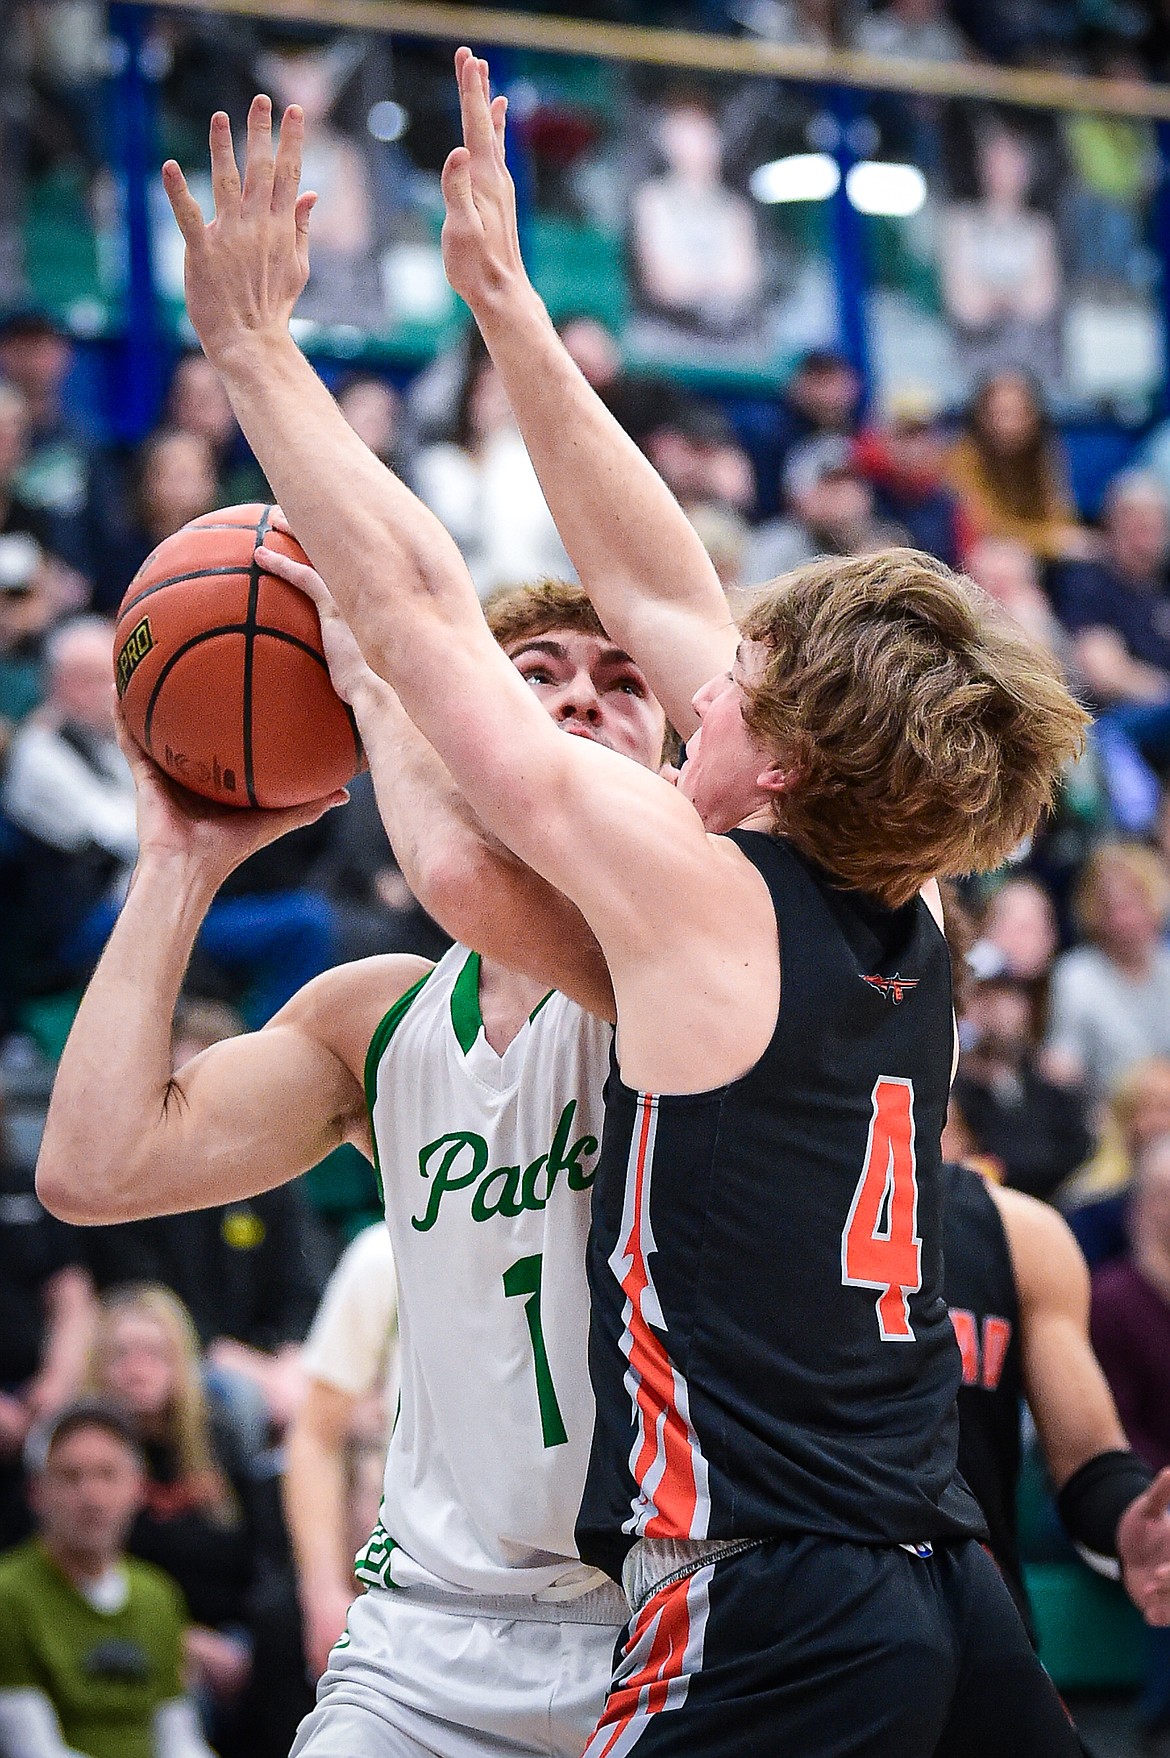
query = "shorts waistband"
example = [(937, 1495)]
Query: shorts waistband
[(654, 1563), (604, 1605)]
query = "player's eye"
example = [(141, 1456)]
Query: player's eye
[(631, 685), (538, 674)]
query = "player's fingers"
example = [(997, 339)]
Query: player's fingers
[(305, 205), (225, 173), (499, 117), (256, 197), (185, 208), (299, 574), (289, 154), (278, 520), (475, 113), (456, 184)]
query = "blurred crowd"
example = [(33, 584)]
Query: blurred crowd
[(191, 1341)]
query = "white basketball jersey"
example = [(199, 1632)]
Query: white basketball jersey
[(486, 1163)]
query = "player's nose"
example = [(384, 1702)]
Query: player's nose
[(579, 698)]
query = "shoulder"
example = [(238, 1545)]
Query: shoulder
[(343, 1007)]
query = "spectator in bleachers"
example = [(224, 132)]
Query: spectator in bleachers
[(374, 410), (174, 481), (1008, 469), (1111, 995), (822, 396), (1096, 1199), (810, 24), (1001, 275), (903, 459), (1116, 169), (145, 1359), (1018, 932), (30, 603), (1118, 607), (830, 512), (695, 451), (46, 1314), (91, 1655), (482, 486), (197, 403), (696, 246), (351, 1364), (909, 30), (1007, 570), (1036, 1130), (55, 475), (68, 788)]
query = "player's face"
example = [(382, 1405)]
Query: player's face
[(594, 691), (725, 760)]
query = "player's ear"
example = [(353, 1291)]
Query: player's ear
[(778, 778)]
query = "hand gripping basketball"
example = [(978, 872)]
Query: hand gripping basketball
[(220, 670)]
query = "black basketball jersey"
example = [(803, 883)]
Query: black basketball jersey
[(770, 1347), (980, 1288)]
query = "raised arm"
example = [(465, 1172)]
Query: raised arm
[(125, 1137), (665, 901), (462, 875), (636, 553)]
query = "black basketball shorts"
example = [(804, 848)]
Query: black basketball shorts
[(814, 1648)]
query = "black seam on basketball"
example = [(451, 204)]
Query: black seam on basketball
[(254, 573), (233, 629), (168, 668), (179, 579)]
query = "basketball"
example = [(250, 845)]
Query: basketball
[(220, 671)]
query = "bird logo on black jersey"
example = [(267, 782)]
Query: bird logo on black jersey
[(895, 988)]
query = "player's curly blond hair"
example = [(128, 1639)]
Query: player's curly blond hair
[(926, 733)]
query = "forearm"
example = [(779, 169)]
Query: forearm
[(110, 1097), (635, 551), (390, 564), (314, 1506), (427, 820), (463, 876)]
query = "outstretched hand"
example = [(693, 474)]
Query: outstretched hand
[(174, 822), (481, 241), (348, 669), (245, 270), (1143, 1547)]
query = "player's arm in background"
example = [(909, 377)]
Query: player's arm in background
[(463, 876), (1070, 1400), (672, 908), (636, 553), (350, 1360), (126, 1136)]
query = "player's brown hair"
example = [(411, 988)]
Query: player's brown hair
[(926, 733), (518, 613)]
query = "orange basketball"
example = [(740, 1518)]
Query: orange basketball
[(220, 670)]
